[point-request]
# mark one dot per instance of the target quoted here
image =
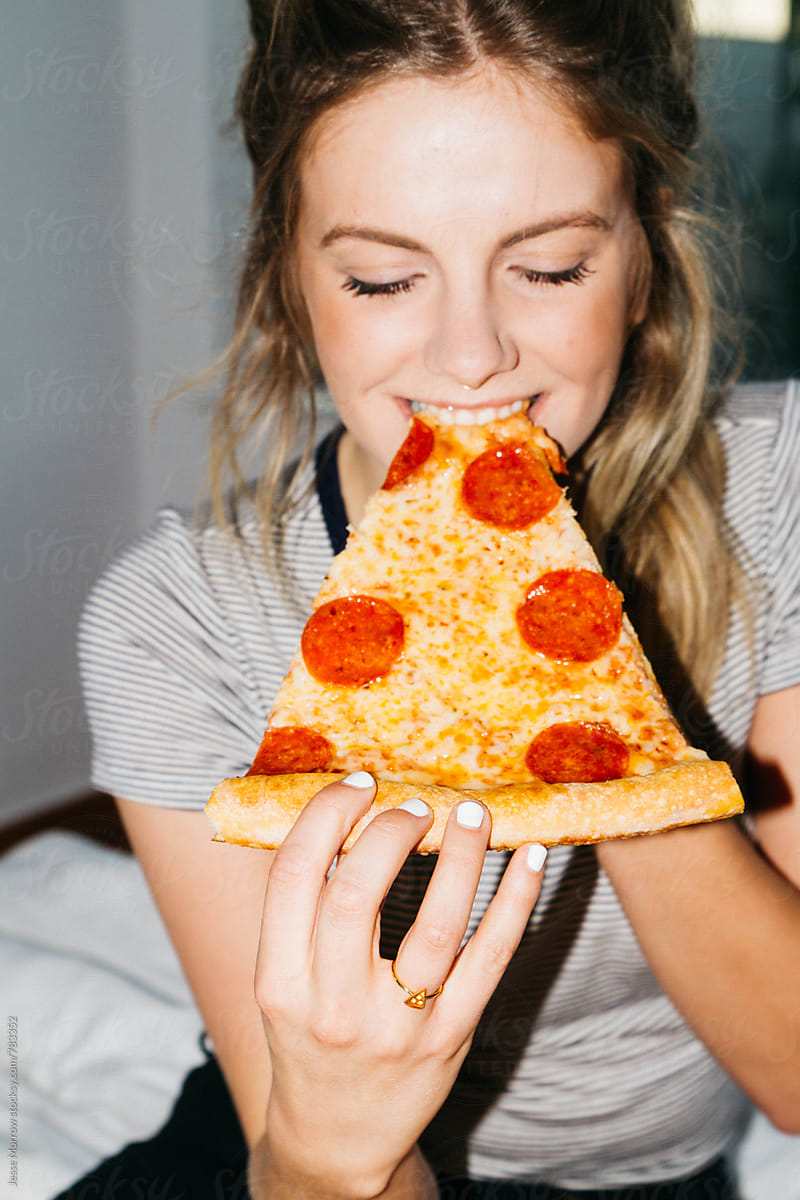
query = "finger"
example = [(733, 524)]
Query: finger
[(483, 960), (429, 948), (297, 875), (345, 941)]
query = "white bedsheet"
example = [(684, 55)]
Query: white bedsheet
[(107, 1027)]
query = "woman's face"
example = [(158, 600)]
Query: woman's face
[(464, 244)]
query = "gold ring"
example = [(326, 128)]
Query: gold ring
[(415, 999)]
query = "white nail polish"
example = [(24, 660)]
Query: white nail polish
[(359, 779), (536, 856), (469, 814), (416, 806)]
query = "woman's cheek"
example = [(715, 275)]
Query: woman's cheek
[(600, 330)]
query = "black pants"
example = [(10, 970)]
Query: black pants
[(200, 1154)]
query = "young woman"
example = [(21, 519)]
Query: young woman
[(463, 204)]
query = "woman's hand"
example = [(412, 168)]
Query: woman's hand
[(358, 1074)]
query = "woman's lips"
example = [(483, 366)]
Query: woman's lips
[(536, 406), (452, 414)]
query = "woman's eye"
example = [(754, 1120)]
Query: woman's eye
[(575, 274), (361, 288)]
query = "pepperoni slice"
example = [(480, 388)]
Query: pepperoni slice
[(577, 752), (412, 454), (509, 486), (352, 641), (571, 615), (290, 749)]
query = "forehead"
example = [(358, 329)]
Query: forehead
[(422, 150)]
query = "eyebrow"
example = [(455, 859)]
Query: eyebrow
[(365, 233)]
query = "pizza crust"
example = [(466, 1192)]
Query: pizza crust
[(259, 810)]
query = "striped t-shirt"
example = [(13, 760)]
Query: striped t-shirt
[(582, 1072)]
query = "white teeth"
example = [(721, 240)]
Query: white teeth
[(469, 416)]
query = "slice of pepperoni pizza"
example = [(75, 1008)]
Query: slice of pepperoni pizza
[(466, 641)]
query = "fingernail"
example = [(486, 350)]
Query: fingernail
[(416, 806), (359, 779), (536, 856), (469, 814)]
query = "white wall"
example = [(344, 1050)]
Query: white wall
[(119, 196)]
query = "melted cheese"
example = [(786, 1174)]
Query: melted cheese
[(461, 705)]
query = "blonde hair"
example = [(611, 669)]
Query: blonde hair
[(652, 475)]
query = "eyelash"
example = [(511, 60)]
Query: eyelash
[(576, 274), (360, 288)]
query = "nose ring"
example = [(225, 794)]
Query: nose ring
[(469, 388)]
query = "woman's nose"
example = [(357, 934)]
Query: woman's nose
[(468, 343)]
